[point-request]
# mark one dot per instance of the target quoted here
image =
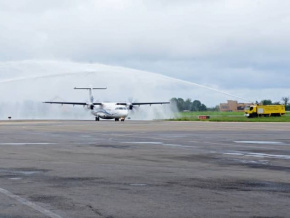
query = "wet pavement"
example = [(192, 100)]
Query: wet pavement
[(144, 169)]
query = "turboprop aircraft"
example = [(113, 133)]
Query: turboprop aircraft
[(112, 110)]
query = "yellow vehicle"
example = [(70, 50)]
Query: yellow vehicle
[(264, 110)]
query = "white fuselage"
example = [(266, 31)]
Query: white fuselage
[(110, 111)]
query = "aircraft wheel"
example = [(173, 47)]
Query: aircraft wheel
[(116, 119), (97, 118)]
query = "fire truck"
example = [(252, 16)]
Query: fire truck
[(264, 110)]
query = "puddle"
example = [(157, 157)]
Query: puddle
[(260, 142)]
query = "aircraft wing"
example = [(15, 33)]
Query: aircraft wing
[(143, 103), (73, 103), (149, 103)]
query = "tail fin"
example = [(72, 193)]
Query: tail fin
[(90, 92)]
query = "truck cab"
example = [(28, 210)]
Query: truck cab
[(250, 111)]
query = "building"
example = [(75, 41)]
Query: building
[(233, 106)]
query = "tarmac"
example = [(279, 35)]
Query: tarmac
[(108, 169)]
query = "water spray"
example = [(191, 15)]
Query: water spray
[(91, 72)]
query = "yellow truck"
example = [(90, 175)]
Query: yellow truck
[(264, 110)]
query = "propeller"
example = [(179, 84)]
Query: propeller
[(131, 106)]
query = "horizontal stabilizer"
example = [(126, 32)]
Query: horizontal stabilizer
[(89, 88)]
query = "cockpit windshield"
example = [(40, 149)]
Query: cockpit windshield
[(120, 108), (249, 108)]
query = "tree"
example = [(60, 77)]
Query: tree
[(195, 105), (180, 104), (266, 102), (202, 107), (285, 100), (187, 104), (173, 103)]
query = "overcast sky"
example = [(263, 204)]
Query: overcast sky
[(233, 45)]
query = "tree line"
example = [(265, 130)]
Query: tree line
[(196, 105), (188, 104), (285, 101)]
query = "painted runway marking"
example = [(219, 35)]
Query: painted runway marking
[(138, 184), (260, 155), (153, 143), (27, 143), (260, 142), (29, 204), (16, 178), (22, 172), (175, 145), (160, 143), (205, 142), (263, 162)]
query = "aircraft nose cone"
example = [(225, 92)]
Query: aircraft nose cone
[(125, 113)]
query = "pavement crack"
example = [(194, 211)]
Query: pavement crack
[(96, 211)]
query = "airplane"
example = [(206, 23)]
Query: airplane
[(111, 110)]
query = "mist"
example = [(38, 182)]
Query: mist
[(24, 85)]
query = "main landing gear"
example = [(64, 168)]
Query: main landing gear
[(122, 119), (97, 118)]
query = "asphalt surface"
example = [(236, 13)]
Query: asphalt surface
[(144, 169)]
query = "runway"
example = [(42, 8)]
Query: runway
[(107, 169)]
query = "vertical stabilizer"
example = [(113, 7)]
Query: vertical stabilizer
[(90, 93)]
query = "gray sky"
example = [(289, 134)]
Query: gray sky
[(241, 46)]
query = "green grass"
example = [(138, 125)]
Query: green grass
[(228, 117)]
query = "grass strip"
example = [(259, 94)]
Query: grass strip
[(228, 117)]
